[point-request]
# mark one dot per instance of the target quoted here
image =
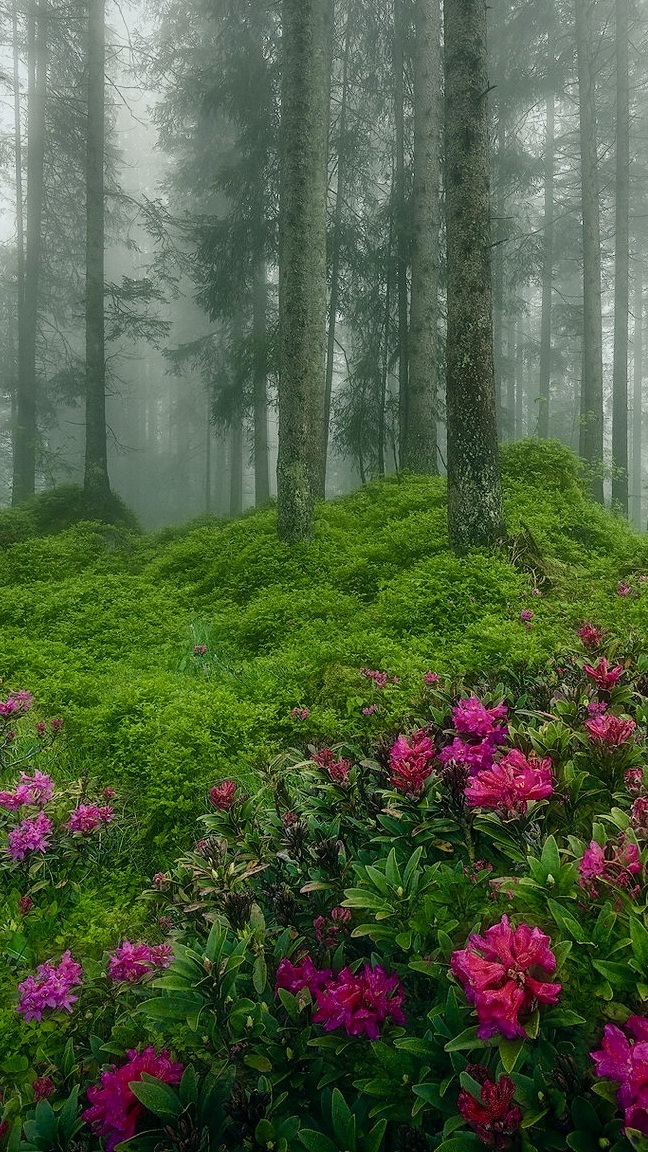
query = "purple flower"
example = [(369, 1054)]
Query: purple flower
[(472, 718), (304, 974), (623, 1056), (360, 1003), (51, 988), (86, 817), (115, 1111), (42, 1087), (133, 961), (30, 836)]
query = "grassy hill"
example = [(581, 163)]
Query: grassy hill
[(100, 622)]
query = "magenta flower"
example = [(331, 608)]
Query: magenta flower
[(86, 817), (610, 731), (639, 816), (36, 789), (617, 864), (623, 1056), (508, 787), (25, 905), (327, 929), (526, 615), (431, 678), (369, 709), (11, 801), (115, 1111), (133, 961), (42, 1087), (304, 974), (300, 713), (109, 793), (623, 589), (493, 1117), (474, 757), (603, 676), (471, 718), (496, 972), (633, 778), (30, 836), (17, 704), (223, 795), (337, 769), (590, 635), (380, 679), (411, 761), (51, 988), (360, 1003)]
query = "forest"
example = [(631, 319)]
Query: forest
[(323, 576)]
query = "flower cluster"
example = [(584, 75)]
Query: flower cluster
[(380, 679), (337, 768), (616, 863), (496, 972), (623, 1056), (131, 962), (493, 1117), (36, 790), (508, 787), (608, 731), (86, 817), (328, 928), (603, 676), (16, 704), (223, 795), (590, 635), (51, 987), (200, 650), (358, 1002), (32, 835), (300, 713), (411, 761), (115, 1112), (479, 735)]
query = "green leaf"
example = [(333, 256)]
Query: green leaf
[(465, 1041), (258, 1062), (639, 937), (568, 923), (392, 871), (188, 1087), (550, 858), (618, 974), (316, 1141), (373, 1141), (463, 1143), (510, 1053), (344, 1122), (159, 1098), (585, 1117), (264, 1133), (259, 973)]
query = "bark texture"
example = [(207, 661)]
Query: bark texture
[(260, 386), (637, 392), (96, 460), (544, 398), (25, 436), (621, 266), (401, 223), (419, 449), (302, 262), (591, 401), (475, 513)]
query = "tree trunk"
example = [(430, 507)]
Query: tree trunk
[(621, 267), (236, 464), (96, 461), (260, 386), (547, 262), (336, 242), (208, 455), (502, 415), (637, 400), (24, 465), (591, 405), (302, 263), (400, 218), (475, 512), (419, 449)]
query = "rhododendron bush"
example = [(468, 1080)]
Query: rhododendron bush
[(438, 941)]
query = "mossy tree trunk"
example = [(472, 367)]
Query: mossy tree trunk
[(25, 433), (306, 26), (475, 513), (591, 402), (95, 480), (419, 448), (621, 266)]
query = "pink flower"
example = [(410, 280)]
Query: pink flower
[(526, 615), (160, 880), (338, 770), (431, 678), (623, 1056), (639, 816), (200, 649), (596, 707), (328, 929), (42, 1087), (610, 731), (615, 864), (109, 793), (16, 704), (369, 709), (380, 679), (30, 836), (86, 817), (603, 676), (507, 787), (49, 988), (36, 789), (492, 1117), (133, 961), (300, 713), (495, 970), (536, 592), (295, 977), (623, 589), (411, 761), (56, 724), (25, 905), (11, 801), (472, 718), (223, 795), (360, 1003), (115, 1111), (475, 757), (633, 779), (590, 635)]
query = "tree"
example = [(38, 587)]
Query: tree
[(96, 480), (547, 250), (419, 446), (621, 266), (591, 403), (475, 512), (302, 262)]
